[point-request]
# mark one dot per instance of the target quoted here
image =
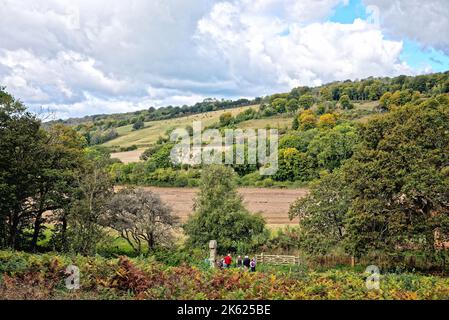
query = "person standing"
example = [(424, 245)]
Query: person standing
[(246, 263), (239, 262), (228, 261), (252, 265)]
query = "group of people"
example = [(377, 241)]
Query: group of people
[(242, 263)]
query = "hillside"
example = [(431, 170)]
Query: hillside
[(155, 129)]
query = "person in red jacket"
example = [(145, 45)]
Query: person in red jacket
[(227, 261)]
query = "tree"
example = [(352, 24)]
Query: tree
[(291, 165), (384, 101), (306, 101), (345, 102), (322, 214), (62, 154), (292, 105), (331, 148), (139, 124), (298, 140), (21, 145), (80, 228), (160, 158), (140, 217), (220, 214), (325, 94), (399, 180), (99, 137), (279, 104)]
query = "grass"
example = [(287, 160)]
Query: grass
[(154, 129), (277, 122)]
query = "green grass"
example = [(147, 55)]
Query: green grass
[(154, 129), (277, 122)]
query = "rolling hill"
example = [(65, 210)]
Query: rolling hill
[(155, 129)]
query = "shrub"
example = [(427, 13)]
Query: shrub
[(226, 119), (139, 124), (327, 120), (307, 120), (345, 102)]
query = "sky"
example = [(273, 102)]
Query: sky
[(82, 57)]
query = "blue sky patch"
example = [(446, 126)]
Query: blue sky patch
[(348, 13), (413, 54)]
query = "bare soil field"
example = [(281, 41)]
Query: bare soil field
[(128, 156), (273, 204)]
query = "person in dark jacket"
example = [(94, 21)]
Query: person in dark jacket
[(246, 262)]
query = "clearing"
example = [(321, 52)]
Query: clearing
[(273, 204)]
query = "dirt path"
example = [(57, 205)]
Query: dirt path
[(273, 204)]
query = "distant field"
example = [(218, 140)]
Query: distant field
[(273, 204), (277, 122), (154, 129), (150, 135), (368, 105), (128, 156)]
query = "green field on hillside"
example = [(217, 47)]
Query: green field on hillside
[(276, 122), (154, 129)]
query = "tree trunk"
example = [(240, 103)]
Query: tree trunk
[(37, 229), (64, 246), (150, 241), (13, 230)]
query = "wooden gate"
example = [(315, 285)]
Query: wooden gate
[(277, 259)]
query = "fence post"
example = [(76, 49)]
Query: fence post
[(262, 258), (213, 252)]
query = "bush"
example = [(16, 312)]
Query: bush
[(139, 124), (100, 137), (130, 148), (246, 115), (226, 119), (285, 241)]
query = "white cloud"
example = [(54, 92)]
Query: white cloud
[(82, 57), (426, 22), (265, 53)]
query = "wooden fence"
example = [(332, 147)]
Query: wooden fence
[(277, 259)]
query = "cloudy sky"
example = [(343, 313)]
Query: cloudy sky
[(79, 57)]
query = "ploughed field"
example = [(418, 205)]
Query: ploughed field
[(273, 204)]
